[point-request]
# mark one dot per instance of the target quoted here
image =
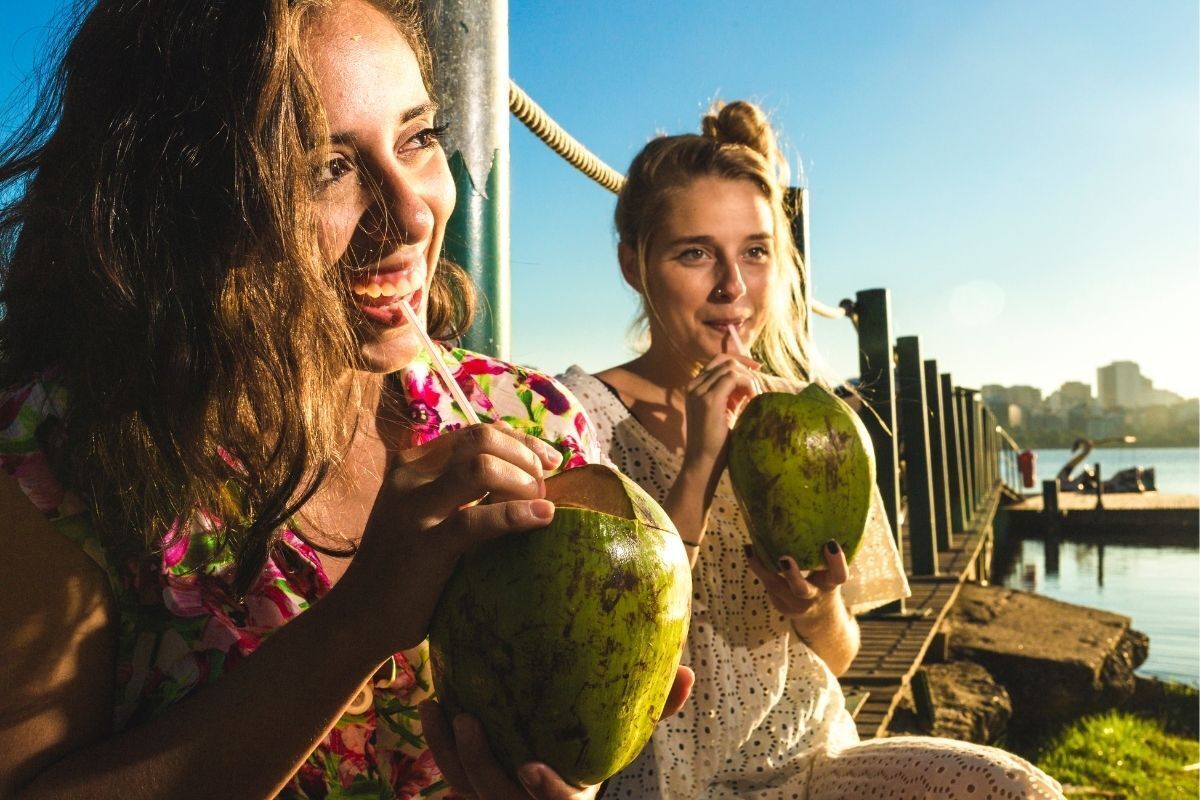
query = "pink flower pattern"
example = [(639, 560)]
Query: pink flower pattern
[(181, 628)]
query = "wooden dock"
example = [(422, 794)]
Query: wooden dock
[(1127, 518), (895, 643)]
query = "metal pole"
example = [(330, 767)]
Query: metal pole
[(918, 478), (469, 40)]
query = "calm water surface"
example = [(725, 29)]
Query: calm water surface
[(1159, 587)]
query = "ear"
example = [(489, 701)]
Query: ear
[(627, 256)]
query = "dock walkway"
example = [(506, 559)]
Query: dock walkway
[(894, 644)]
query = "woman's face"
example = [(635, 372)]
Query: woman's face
[(384, 190), (711, 264)]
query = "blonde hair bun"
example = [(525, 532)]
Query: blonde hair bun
[(741, 123)]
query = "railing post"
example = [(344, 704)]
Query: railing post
[(958, 513), (937, 458), (973, 431), (469, 40), (968, 463), (877, 384), (914, 433)]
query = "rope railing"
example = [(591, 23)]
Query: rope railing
[(543, 126), (539, 123)]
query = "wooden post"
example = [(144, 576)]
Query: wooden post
[(973, 429), (1099, 487), (954, 474), (937, 458), (877, 384), (918, 476), (1050, 498), (968, 462)]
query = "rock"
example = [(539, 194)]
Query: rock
[(1057, 660), (968, 704)]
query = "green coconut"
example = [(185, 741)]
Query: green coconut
[(803, 469), (565, 641)]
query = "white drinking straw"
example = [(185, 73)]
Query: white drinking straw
[(737, 340), (440, 365), (741, 350)]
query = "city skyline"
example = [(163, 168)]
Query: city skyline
[(1094, 387)]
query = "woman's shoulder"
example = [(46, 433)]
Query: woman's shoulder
[(527, 399), (31, 420)]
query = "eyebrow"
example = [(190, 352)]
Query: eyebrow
[(754, 237), (408, 116)]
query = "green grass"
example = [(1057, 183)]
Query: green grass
[(1120, 754)]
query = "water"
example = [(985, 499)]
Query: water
[(1176, 469), (1158, 587)]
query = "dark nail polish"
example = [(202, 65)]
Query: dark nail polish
[(783, 565), (832, 546), (748, 549)]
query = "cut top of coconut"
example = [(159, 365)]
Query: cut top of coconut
[(596, 487)]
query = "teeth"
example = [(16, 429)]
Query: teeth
[(375, 290)]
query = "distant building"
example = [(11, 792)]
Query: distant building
[(1072, 394), (1121, 385)]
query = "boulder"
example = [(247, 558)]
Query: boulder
[(968, 704), (1057, 660)]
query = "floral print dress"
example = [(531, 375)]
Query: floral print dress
[(181, 628)]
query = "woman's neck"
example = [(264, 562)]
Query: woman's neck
[(663, 367)]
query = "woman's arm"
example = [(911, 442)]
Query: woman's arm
[(246, 734)]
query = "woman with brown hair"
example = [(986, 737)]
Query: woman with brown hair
[(704, 240), (232, 484)]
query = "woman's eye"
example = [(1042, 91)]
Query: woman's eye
[(429, 137), (333, 169), (692, 254), (758, 253)]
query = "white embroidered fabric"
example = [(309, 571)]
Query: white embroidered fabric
[(764, 708)]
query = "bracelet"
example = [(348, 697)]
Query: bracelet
[(689, 544)]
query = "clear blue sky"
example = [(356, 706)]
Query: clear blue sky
[(1023, 176)]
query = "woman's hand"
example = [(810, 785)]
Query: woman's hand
[(427, 514), (714, 399), (798, 595), (466, 760), (813, 603)]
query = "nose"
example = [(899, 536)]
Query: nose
[(398, 213), (730, 285)]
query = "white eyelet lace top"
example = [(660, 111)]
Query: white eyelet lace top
[(763, 703)]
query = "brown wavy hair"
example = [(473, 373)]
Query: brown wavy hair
[(159, 258), (736, 142)]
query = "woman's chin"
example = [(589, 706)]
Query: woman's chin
[(390, 351)]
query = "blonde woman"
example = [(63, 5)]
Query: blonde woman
[(704, 240)]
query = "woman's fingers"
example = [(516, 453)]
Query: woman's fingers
[(468, 527), (440, 739), (681, 689), (543, 783), (795, 580), (476, 772), (492, 460), (838, 570)]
